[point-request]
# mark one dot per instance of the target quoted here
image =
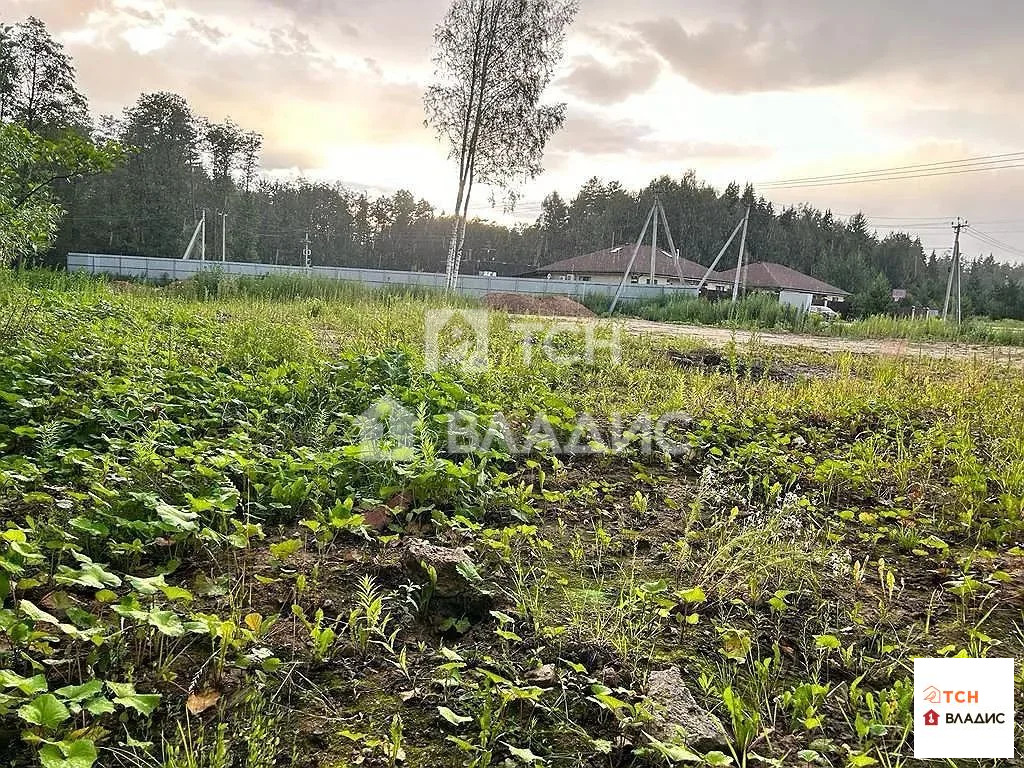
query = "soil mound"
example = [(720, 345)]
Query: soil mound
[(522, 304)]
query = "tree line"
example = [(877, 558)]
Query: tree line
[(139, 182)]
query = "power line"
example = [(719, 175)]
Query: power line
[(995, 242), (987, 159), (839, 183)]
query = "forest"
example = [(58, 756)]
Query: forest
[(172, 164)]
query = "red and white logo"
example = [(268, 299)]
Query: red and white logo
[(972, 700)]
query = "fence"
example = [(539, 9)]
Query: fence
[(160, 269)]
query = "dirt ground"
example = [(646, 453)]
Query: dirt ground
[(889, 347)]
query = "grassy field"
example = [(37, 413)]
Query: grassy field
[(763, 312), (241, 528)]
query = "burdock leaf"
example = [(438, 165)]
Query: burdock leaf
[(45, 711)]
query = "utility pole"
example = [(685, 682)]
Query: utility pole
[(224, 236), (306, 253), (200, 231), (654, 242), (954, 272), (739, 262), (632, 260)]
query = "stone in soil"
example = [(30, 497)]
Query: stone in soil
[(678, 717), (456, 583)]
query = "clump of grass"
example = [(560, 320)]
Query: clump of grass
[(976, 330), (758, 310), (215, 284)]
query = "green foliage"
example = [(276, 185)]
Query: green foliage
[(177, 473), (757, 310), (29, 166)]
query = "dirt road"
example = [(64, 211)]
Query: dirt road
[(892, 347)]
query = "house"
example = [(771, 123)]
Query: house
[(607, 266), (931, 717), (792, 287)]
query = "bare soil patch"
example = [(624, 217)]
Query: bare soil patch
[(547, 306), (714, 361)]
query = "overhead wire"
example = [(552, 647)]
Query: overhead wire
[(994, 241), (841, 182), (900, 170)]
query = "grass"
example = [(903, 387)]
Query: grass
[(202, 565), (756, 311), (763, 312)]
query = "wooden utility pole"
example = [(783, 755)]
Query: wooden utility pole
[(954, 273), (739, 262), (632, 260), (718, 258), (654, 242)]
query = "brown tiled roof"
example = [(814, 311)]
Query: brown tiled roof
[(768, 274), (615, 260)]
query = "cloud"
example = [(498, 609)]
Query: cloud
[(304, 98), (599, 82), (757, 46), (592, 134)]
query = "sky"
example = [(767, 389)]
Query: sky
[(745, 90)]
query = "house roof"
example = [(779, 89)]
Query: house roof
[(615, 260), (768, 274)]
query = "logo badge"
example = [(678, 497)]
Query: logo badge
[(963, 709)]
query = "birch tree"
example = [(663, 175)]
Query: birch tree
[(493, 61)]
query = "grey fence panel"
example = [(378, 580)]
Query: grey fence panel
[(154, 268)]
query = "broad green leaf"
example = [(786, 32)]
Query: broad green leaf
[(695, 595), (285, 549), (167, 623), (468, 571), (45, 711), (89, 526), (27, 685), (676, 753), (148, 586), (80, 692), (125, 696), (89, 575), (717, 759), (178, 593), (178, 519), (453, 718), (80, 753), (36, 614), (525, 755), (99, 706)]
